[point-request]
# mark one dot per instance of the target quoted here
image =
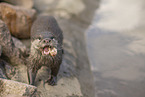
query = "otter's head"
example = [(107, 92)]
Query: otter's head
[(45, 44)]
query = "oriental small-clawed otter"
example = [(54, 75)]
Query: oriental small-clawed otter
[(46, 48)]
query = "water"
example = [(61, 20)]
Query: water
[(116, 48)]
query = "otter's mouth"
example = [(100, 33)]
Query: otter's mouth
[(49, 50)]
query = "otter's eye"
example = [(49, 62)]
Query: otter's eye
[(39, 38), (51, 37)]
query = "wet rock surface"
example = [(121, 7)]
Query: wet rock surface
[(18, 19)]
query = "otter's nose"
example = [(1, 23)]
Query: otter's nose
[(47, 40)]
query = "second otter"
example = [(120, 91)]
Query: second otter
[(46, 48)]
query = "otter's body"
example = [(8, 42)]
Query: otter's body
[(46, 48)]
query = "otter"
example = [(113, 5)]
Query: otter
[(46, 48)]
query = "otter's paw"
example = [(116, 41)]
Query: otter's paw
[(52, 81)]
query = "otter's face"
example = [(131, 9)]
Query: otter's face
[(45, 45)]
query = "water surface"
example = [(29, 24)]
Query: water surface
[(116, 48)]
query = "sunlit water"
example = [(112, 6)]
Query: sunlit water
[(116, 48)]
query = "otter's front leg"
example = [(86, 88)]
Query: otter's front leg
[(32, 75), (53, 78)]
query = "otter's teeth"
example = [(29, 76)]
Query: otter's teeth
[(46, 52), (53, 52)]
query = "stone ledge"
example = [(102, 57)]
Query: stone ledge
[(8, 87)]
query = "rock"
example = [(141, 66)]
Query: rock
[(7, 71), (10, 95), (18, 19), (23, 3), (70, 87), (2, 70), (21, 46), (9, 87), (13, 53)]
